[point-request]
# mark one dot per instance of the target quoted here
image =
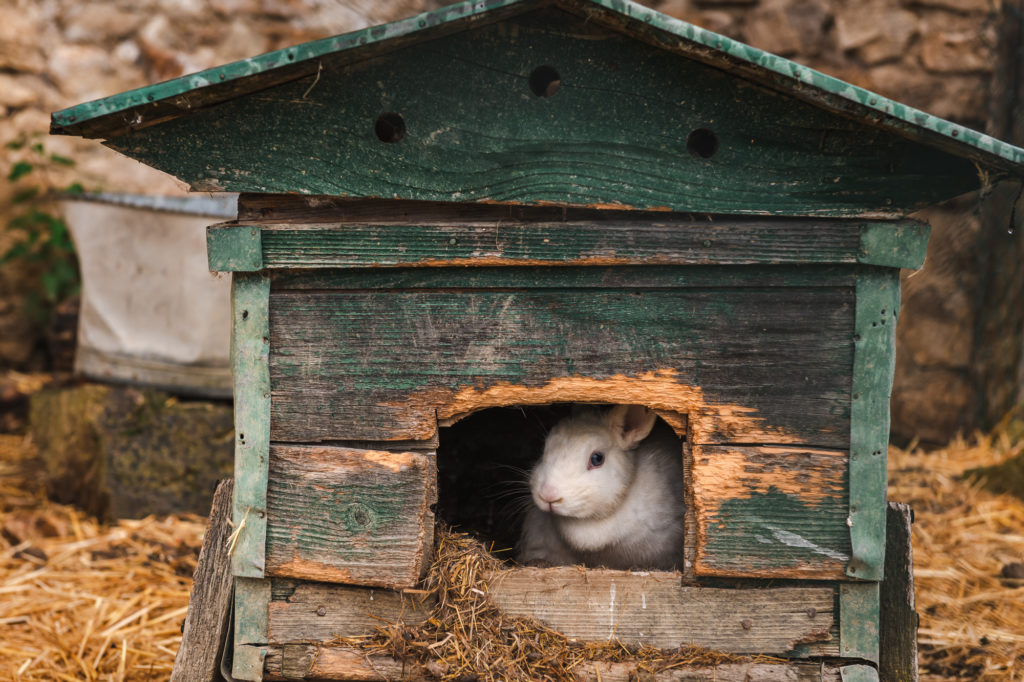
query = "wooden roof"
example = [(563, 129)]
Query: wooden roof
[(653, 113)]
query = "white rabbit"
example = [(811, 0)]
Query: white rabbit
[(606, 493)]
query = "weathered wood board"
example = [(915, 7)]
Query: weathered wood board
[(655, 608), (354, 516), (306, 611), (745, 364), (593, 605), (298, 661), (501, 241), (773, 512), (632, 125)]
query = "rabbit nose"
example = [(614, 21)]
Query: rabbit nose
[(550, 494)]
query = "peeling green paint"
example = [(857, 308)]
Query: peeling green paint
[(251, 620), (250, 352), (234, 248), (859, 620), (774, 530), (878, 301)]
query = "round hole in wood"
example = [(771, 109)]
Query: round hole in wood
[(702, 142), (389, 127), (545, 81)]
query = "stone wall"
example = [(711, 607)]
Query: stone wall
[(936, 55)]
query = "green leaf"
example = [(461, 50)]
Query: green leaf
[(27, 194), (17, 251), (62, 160), (16, 144), (74, 188), (38, 148), (19, 170), (51, 284)]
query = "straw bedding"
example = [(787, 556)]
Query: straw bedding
[(83, 601)]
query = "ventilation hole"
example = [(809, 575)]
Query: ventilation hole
[(702, 142), (245, 314), (545, 81), (389, 127)]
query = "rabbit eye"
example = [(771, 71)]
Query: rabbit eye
[(596, 460)]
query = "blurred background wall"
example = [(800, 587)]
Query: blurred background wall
[(958, 365)]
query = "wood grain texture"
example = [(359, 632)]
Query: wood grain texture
[(336, 663), (771, 512), (320, 612), (498, 242), (746, 365), (205, 628), (654, 608), (898, 619), (617, 133), (565, 278), (354, 516)]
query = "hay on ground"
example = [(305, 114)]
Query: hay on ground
[(468, 638), (965, 541)]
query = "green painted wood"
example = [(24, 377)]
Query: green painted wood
[(143, 106), (619, 133), (894, 245), (878, 300), (250, 368), (669, 241), (859, 620), (776, 512), (858, 673), (252, 602), (776, 359), (565, 278), (234, 248)]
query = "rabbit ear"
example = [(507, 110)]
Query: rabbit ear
[(630, 423)]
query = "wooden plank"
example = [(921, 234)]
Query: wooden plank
[(859, 673), (655, 608), (746, 365), (686, 241), (894, 245), (205, 628), (252, 597), (619, 132), (234, 248), (859, 620), (898, 635), (354, 516), (874, 360), (250, 338), (319, 612), (772, 512), (566, 278), (338, 663)]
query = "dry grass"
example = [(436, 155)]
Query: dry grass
[(83, 601), (466, 637), (972, 619)]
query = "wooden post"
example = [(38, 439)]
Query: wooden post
[(198, 658), (898, 655)]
